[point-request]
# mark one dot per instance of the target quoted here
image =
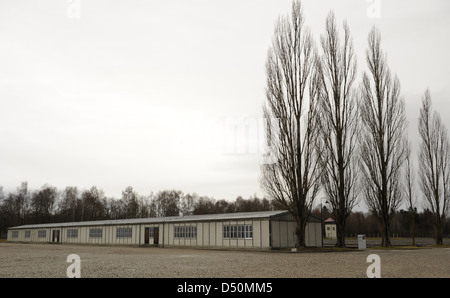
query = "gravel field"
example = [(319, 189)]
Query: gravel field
[(49, 260)]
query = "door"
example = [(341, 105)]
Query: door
[(147, 235), (55, 236), (156, 235)]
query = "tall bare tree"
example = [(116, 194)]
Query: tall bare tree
[(22, 202), (434, 165), (293, 177), (339, 121), (382, 112), (69, 202), (168, 202), (130, 199), (93, 203), (42, 203)]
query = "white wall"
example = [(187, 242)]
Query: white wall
[(209, 234), (283, 234)]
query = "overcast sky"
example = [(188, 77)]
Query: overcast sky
[(141, 93)]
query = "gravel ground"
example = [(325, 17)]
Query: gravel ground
[(49, 260)]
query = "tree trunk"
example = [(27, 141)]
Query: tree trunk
[(300, 233), (340, 239), (340, 229), (386, 239), (438, 230), (413, 229)]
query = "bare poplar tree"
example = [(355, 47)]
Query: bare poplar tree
[(338, 121), (69, 201), (382, 148), (22, 202), (293, 178), (130, 199), (434, 165)]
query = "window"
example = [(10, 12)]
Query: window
[(15, 234), (95, 233), (28, 234), (123, 232), (226, 231), (42, 233), (238, 231), (249, 231), (151, 232), (72, 233), (185, 232)]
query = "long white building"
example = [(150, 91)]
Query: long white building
[(259, 230)]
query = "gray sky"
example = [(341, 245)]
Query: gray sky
[(141, 93)]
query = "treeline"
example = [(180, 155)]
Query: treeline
[(368, 224), (49, 204)]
